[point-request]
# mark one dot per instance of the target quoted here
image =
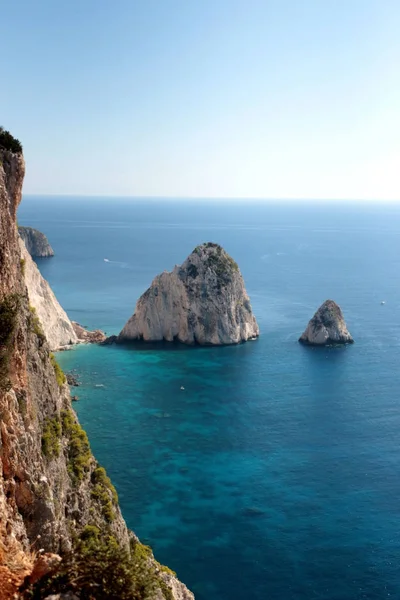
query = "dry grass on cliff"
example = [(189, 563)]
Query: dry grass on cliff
[(15, 565)]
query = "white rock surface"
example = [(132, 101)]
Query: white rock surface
[(204, 301), (327, 327), (36, 242), (55, 323)]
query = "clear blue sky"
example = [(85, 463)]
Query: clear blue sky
[(206, 98)]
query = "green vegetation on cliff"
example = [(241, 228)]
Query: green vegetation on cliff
[(79, 454), (8, 320), (60, 375), (99, 568), (104, 491), (9, 142), (51, 437), (36, 327)]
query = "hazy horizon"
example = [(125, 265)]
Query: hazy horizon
[(219, 99), (212, 198)]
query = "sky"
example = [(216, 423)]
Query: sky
[(205, 98)]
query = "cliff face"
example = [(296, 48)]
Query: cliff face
[(204, 301), (51, 487), (36, 242), (43, 491), (327, 327), (57, 327)]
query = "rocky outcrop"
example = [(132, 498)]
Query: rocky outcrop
[(36, 242), (55, 323), (203, 301), (327, 327), (90, 337), (52, 490)]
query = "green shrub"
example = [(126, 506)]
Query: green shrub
[(60, 375), (78, 450), (51, 437), (141, 552), (98, 568), (166, 590), (8, 142), (89, 535), (100, 476), (167, 570), (22, 263), (221, 263), (36, 327), (104, 492), (8, 320)]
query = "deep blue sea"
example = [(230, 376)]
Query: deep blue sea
[(275, 473)]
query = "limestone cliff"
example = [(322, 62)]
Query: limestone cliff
[(327, 327), (60, 332), (57, 327), (204, 301), (52, 490), (36, 242)]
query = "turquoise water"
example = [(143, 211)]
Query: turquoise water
[(275, 472)]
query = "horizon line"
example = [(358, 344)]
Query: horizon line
[(209, 198)]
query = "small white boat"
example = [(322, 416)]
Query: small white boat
[(383, 302), (182, 388), (106, 260)]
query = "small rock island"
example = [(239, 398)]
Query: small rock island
[(327, 327), (36, 242), (203, 301)]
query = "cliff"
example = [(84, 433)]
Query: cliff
[(57, 327), (327, 327), (54, 497), (203, 301), (36, 242), (47, 311)]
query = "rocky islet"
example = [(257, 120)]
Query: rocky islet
[(203, 301), (327, 327)]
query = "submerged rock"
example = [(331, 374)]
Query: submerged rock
[(36, 242), (327, 327), (72, 380), (203, 301)]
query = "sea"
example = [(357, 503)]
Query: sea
[(263, 471)]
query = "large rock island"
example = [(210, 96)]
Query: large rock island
[(327, 327), (203, 301), (36, 242)]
